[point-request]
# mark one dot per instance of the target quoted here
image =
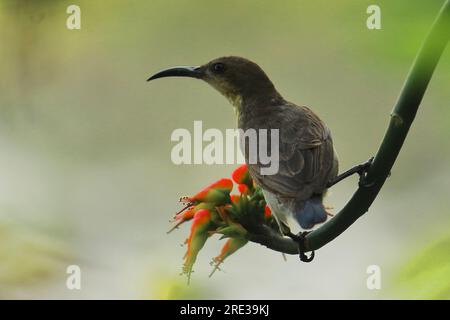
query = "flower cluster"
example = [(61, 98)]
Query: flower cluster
[(215, 210)]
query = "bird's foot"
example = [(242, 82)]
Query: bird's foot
[(300, 239), (362, 172), (360, 169)]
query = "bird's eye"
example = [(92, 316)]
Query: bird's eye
[(218, 67)]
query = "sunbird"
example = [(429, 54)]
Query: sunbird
[(308, 163)]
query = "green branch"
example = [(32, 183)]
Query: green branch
[(402, 117)]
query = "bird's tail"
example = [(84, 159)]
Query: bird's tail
[(310, 212)]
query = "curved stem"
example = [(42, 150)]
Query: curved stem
[(402, 117)]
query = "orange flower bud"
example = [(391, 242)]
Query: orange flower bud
[(230, 247), (197, 238)]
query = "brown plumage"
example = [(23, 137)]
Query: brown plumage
[(307, 160)]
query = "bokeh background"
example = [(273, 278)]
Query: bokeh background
[(85, 170)]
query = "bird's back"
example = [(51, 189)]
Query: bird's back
[(307, 160)]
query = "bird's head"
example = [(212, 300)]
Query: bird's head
[(238, 79)]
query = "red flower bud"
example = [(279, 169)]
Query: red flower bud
[(217, 192), (267, 212), (243, 188), (241, 176), (186, 215), (235, 198)]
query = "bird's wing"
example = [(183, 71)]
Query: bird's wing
[(305, 151)]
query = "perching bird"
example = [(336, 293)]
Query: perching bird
[(307, 160)]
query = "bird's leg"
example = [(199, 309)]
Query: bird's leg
[(300, 239), (360, 169)]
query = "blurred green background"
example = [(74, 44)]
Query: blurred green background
[(85, 170)]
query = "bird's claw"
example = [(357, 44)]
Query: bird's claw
[(300, 239), (362, 172), (360, 169)]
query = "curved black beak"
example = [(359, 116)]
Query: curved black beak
[(191, 72)]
